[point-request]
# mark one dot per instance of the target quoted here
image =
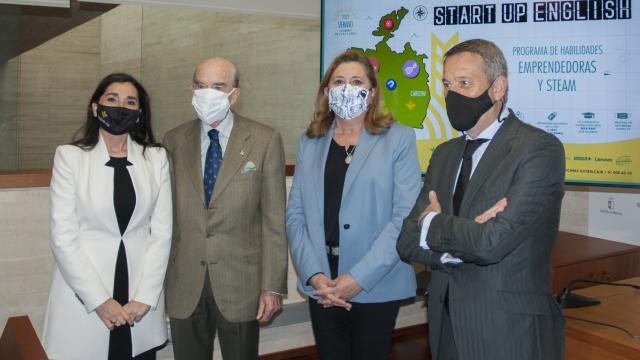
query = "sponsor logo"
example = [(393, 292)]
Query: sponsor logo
[(624, 160), (622, 115), (588, 115)]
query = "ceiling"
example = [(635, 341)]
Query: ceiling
[(25, 27)]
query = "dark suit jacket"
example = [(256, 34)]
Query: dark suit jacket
[(500, 303), (240, 238)]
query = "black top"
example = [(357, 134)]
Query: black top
[(124, 195), (334, 174), (124, 202)]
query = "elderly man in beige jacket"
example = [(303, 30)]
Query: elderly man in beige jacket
[(228, 263)]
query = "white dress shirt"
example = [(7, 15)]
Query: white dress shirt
[(487, 133), (224, 131)]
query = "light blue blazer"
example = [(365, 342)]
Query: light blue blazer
[(380, 188)]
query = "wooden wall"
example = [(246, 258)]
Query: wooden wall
[(278, 58)]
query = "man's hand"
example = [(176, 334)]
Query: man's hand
[(136, 309), (113, 314), (268, 305), (492, 211), (434, 206), (325, 288)]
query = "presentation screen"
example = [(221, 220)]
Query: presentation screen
[(574, 70)]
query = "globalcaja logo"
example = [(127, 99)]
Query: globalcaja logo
[(582, 158), (588, 115), (622, 115), (420, 12), (552, 116), (624, 160)]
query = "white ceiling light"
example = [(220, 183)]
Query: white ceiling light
[(53, 3)]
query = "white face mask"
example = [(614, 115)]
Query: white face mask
[(211, 104), (348, 101)]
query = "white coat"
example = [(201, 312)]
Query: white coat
[(85, 239)]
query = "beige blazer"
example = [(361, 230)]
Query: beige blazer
[(85, 239), (240, 238)]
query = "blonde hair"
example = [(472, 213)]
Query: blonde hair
[(375, 122)]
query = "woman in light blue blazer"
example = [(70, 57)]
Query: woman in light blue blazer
[(357, 177)]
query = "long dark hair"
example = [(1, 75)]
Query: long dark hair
[(87, 136)]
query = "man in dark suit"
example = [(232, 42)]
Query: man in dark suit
[(486, 220), (228, 261)]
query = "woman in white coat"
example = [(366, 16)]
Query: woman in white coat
[(111, 220)]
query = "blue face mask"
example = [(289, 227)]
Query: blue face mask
[(348, 101)]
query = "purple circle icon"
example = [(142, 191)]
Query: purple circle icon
[(411, 69)]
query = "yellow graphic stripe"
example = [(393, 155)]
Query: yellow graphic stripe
[(426, 146), (438, 49)]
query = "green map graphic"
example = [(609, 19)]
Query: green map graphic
[(403, 76)]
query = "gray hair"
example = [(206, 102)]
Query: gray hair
[(494, 62)]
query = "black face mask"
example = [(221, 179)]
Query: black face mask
[(117, 120), (464, 112)]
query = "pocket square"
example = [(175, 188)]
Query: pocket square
[(248, 167)]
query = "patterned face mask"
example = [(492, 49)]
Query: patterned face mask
[(348, 101)]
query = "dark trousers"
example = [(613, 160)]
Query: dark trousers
[(362, 333), (447, 347), (193, 337)]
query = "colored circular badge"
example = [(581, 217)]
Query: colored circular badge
[(411, 69), (420, 12), (391, 84), (374, 63), (388, 24)]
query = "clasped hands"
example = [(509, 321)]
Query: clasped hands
[(336, 292), (113, 314)]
